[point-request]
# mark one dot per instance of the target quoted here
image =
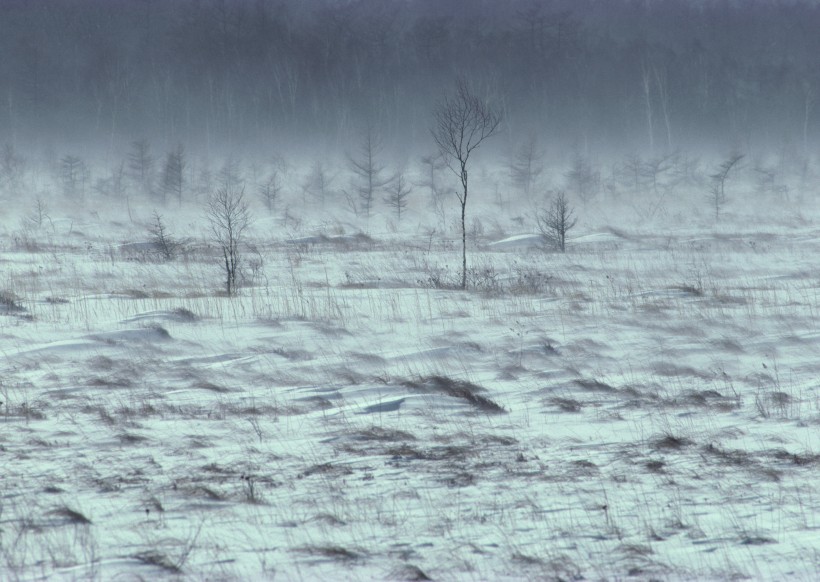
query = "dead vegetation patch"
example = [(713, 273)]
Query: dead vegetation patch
[(128, 438), (655, 466), (224, 410), (735, 458), (443, 453), (753, 540), (460, 389), (566, 404), (328, 519), (292, 355), (594, 386), (328, 469), (492, 439), (71, 516), (158, 559), (184, 315), (331, 552), (409, 573), (583, 468), (204, 492), (669, 370), (460, 479), (706, 399), (670, 442), (211, 387), (111, 382), (803, 460), (380, 434)]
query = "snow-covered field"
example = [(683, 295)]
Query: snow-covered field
[(645, 406)]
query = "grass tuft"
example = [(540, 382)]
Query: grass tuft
[(409, 573), (71, 515), (670, 442), (158, 559), (458, 389), (333, 553)]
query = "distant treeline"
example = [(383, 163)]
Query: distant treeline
[(648, 74)]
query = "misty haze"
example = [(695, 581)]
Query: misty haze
[(409, 289)]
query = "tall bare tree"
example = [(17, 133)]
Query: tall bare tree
[(229, 217), (462, 121)]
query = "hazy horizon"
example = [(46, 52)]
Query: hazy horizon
[(88, 77)]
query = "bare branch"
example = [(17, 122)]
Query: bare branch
[(229, 217)]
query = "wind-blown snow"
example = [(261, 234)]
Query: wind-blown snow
[(646, 408)]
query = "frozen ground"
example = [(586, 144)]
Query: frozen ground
[(644, 407)]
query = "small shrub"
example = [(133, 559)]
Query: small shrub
[(10, 303)]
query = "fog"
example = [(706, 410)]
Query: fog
[(237, 76)]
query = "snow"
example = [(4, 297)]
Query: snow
[(647, 407)]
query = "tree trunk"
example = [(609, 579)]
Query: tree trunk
[(464, 228), (464, 244), (227, 275)]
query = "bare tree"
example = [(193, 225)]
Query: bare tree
[(397, 194), (38, 215), (141, 165), (717, 192), (654, 170), (583, 178), (462, 122), (230, 175), (229, 217), (318, 183), (164, 242), (73, 175), (368, 170), (269, 190), (630, 172), (555, 222), (173, 173), (526, 165)]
